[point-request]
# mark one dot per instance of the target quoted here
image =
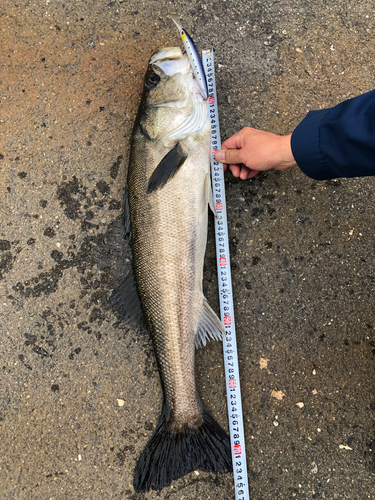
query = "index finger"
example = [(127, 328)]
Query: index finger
[(234, 142)]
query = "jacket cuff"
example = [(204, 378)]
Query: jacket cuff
[(306, 148)]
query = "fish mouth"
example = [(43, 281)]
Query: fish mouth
[(166, 53), (171, 60)]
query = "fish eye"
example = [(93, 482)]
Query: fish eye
[(152, 80)]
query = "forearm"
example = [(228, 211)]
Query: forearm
[(338, 141), (333, 142)]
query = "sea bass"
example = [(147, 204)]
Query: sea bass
[(166, 207)]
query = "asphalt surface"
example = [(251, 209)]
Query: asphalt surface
[(80, 392)]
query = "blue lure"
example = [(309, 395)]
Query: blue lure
[(194, 59)]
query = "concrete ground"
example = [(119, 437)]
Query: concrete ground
[(80, 392)]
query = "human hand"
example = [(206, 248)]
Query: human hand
[(251, 150)]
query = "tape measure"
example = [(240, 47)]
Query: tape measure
[(237, 437), (232, 375)]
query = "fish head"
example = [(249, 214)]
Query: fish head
[(171, 94)]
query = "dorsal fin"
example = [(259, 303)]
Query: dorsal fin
[(167, 168), (125, 301)]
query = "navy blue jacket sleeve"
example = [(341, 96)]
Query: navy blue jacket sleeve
[(338, 141)]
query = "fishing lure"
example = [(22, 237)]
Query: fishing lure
[(194, 58)]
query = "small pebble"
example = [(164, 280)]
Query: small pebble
[(120, 402), (344, 447), (263, 363), (300, 405), (277, 395)]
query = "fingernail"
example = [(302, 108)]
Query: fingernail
[(220, 155)]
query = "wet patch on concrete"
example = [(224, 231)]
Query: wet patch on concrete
[(94, 251), (6, 263)]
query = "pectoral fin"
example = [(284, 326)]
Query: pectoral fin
[(209, 326), (209, 196), (167, 168)]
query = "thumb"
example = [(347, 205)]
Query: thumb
[(230, 156)]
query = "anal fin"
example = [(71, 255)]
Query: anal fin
[(210, 326)]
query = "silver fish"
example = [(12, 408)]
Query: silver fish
[(166, 209)]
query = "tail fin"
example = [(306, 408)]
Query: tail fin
[(169, 456)]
